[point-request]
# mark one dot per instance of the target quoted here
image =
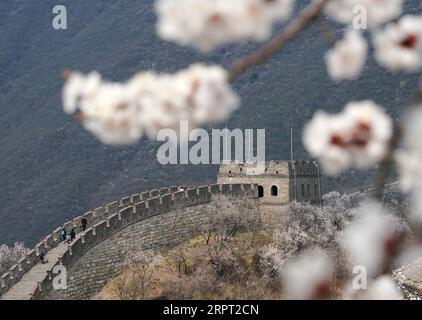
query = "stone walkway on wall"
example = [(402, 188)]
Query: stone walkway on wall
[(26, 287), (23, 282)]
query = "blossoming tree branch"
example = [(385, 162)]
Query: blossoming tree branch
[(361, 136)]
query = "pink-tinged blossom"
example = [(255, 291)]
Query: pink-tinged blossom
[(399, 45), (376, 12), (358, 137), (372, 239), (119, 113), (207, 24), (348, 57), (79, 87), (308, 276)]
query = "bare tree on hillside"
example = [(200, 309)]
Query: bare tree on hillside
[(140, 277), (308, 226)]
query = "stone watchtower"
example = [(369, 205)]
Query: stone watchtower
[(279, 182)]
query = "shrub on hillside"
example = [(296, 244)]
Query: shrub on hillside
[(140, 275), (9, 256)]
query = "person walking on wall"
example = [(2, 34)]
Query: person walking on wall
[(72, 235), (63, 234), (42, 256), (83, 223)]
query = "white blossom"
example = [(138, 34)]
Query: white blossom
[(142, 259), (348, 57), (271, 260), (207, 24), (111, 115), (376, 11), (119, 113), (357, 137), (10, 256), (77, 87), (308, 276), (399, 46), (371, 239), (382, 288)]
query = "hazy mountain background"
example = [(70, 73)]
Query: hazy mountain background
[(52, 170)]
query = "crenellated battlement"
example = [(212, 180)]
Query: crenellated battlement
[(276, 168), (109, 219), (304, 168), (279, 182), (272, 168)]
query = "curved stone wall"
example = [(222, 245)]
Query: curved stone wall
[(51, 241), (143, 219)]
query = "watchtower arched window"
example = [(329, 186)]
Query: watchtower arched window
[(274, 191), (309, 190), (260, 191), (303, 189)]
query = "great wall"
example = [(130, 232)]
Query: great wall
[(97, 254), (165, 217)]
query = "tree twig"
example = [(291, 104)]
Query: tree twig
[(279, 41)]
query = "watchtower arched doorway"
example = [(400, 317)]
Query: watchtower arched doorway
[(260, 191)]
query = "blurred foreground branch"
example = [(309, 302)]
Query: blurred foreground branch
[(306, 17)]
